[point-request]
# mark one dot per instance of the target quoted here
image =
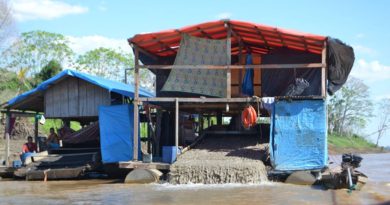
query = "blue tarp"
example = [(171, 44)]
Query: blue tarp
[(116, 132), (247, 84), (110, 85), (298, 135)]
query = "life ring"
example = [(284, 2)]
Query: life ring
[(248, 117)]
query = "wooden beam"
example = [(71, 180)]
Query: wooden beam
[(6, 136), (240, 40), (280, 37), (228, 62), (272, 32), (36, 131), (135, 101), (166, 46), (177, 124), (141, 165), (204, 33), (219, 100), (258, 31), (240, 70), (171, 35), (223, 67), (323, 71), (146, 52)]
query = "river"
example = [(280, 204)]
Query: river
[(376, 191)]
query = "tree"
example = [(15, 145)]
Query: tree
[(350, 108), (6, 22), (35, 49), (48, 71), (384, 118), (111, 64), (105, 62)]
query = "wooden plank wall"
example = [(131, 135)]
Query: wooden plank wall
[(73, 97), (236, 82)]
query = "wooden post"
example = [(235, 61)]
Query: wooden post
[(135, 101), (200, 126), (228, 62), (240, 71), (219, 118), (36, 131), (177, 124), (323, 71), (6, 136)]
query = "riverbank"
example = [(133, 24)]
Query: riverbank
[(338, 144)]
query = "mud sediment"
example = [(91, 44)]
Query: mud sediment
[(222, 159)]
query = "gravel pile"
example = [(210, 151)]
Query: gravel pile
[(222, 159)]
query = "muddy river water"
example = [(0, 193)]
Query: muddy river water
[(377, 191)]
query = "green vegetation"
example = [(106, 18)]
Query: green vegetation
[(338, 144), (351, 142), (56, 124), (10, 85)]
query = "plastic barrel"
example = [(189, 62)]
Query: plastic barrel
[(169, 154)]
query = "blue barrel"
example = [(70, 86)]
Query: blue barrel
[(169, 154), (16, 163)]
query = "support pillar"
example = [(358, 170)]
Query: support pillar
[(135, 101), (177, 124)]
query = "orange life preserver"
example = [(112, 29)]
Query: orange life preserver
[(248, 117)]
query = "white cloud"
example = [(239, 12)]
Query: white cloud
[(360, 35), (370, 71), (83, 44), (363, 50), (224, 15), (44, 9)]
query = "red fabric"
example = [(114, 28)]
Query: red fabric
[(11, 124), (259, 38), (29, 147)]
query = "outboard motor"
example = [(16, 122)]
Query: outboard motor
[(349, 176), (351, 160)]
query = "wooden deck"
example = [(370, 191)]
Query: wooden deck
[(142, 165)]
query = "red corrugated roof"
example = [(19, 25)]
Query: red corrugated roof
[(256, 38)]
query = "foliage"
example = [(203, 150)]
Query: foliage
[(354, 141), (48, 71), (105, 62), (35, 49), (384, 118), (350, 108), (56, 124), (10, 85)]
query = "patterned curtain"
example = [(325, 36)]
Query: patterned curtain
[(199, 51)]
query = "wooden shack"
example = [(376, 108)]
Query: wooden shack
[(74, 98)]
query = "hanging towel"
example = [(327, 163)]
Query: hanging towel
[(247, 84)]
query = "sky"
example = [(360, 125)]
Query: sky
[(91, 24)]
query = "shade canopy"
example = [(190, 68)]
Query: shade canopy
[(254, 38)]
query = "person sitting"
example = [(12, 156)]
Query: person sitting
[(53, 141), (29, 149)]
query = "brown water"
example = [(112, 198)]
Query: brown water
[(377, 191)]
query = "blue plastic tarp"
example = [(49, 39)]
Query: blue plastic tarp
[(299, 135), (247, 84), (110, 85), (116, 132)]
